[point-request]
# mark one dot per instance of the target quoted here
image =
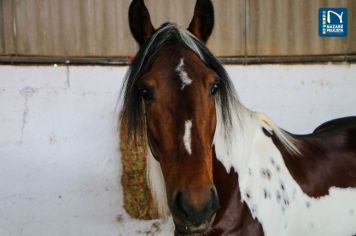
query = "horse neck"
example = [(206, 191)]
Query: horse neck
[(248, 139), (233, 144), (233, 217)]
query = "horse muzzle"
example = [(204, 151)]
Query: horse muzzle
[(194, 212)]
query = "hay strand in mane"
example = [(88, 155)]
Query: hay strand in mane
[(138, 201)]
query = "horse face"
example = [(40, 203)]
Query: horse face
[(178, 91), (181, 120)]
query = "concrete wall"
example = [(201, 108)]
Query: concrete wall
[(59, 164)]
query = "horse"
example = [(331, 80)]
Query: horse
[(217, 167)]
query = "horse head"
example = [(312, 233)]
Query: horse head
[(171, 92)]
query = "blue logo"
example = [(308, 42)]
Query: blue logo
[(333, 22)]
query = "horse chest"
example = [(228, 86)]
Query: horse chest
[(280, 205)]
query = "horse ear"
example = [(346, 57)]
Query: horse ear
[(140, 21), (203, 20)]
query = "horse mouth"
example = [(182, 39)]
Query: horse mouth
[(190, 229)]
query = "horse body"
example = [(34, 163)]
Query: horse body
[(306, 191), (217, 167)]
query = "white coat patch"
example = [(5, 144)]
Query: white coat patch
[(187, 138), (183, 75)]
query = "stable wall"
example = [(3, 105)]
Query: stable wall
[(59, 164)]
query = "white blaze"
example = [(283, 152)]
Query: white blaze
[(183, 74), (187, 138)]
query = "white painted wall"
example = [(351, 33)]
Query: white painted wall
[(59, 165)]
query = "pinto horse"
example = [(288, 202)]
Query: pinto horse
[(217, 167)]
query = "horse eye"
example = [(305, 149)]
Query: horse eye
[(215, 88), (146, 93)]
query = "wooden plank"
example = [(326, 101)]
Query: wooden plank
[(2, 43), (228, 35), (73, 28), (352, 26), (7, 29), (289, 27), (179, 12), (228, 38), (100, 28), (93, 28), (33, 26), (126, 45)]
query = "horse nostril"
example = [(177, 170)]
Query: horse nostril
[(181, 205), (214, 200)]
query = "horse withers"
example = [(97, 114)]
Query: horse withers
[(217, 167)]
